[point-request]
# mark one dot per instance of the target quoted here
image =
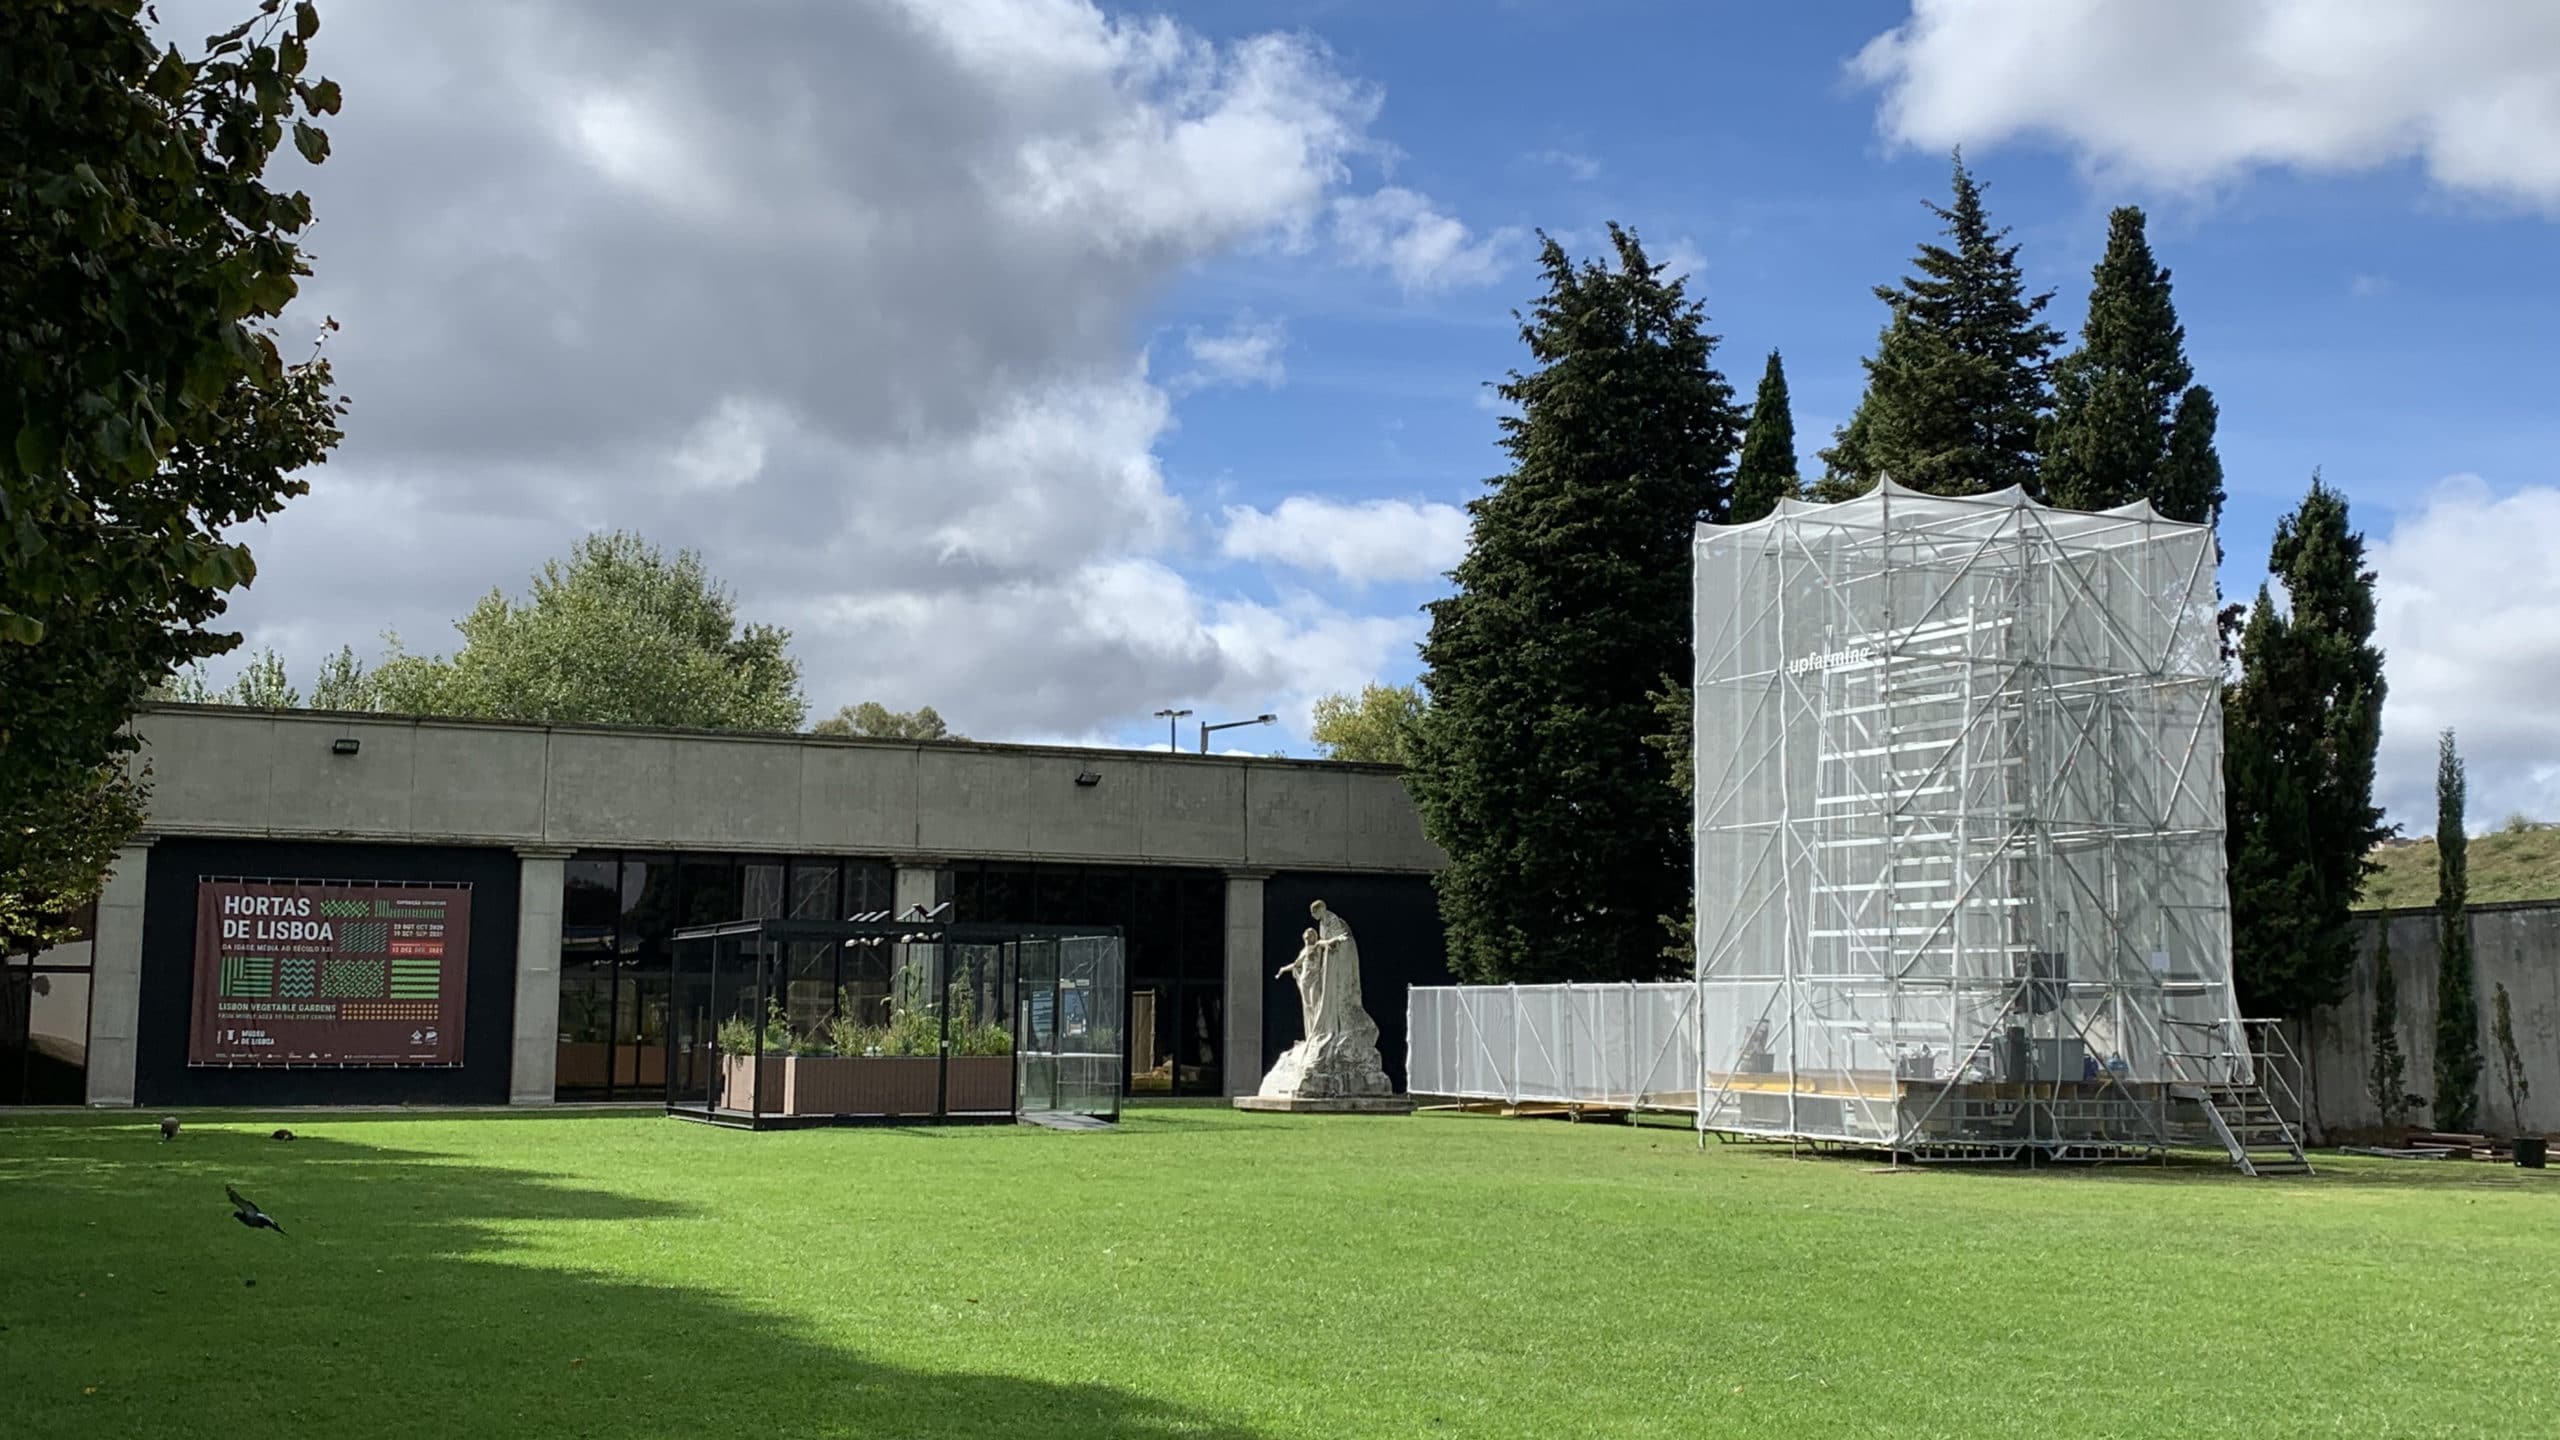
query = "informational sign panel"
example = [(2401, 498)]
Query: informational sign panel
[(324, 972)]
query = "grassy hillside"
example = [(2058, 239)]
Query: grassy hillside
[(2519, 862)]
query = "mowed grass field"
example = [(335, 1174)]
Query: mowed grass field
[(1201, 1273)]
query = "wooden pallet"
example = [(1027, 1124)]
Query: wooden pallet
[(1541, 1110), (2457, 1145)]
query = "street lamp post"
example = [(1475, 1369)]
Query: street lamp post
[(1172, 729), (1206, 727)]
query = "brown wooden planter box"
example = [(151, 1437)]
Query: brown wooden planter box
[(981, 1083), (867, 1084)]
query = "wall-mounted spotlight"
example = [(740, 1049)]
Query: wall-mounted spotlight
[(1088, 778), (345, 745)]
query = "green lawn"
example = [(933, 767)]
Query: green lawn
[(1202, 1273)]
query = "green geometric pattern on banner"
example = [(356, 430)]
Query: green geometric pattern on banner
[(296, 980), (416, 979), (364, 937), (351, 980), (346, 909), (409, 910), (248, 976)]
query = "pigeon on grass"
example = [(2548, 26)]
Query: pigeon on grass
[(168, 1128), (246, 1211)]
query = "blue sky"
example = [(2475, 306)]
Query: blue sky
[(1051, 363)]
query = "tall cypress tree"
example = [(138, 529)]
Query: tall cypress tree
[(2128, 422), (1959, 383), (1568, 844), (2457, 1003), (2300, 730), (1766, 474)]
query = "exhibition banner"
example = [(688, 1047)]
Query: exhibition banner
[(329, 972)]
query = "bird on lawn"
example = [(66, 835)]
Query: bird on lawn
[(246, 1211), (281, 1135), (168, 1128)]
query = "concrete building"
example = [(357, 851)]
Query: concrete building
[(585, 847)]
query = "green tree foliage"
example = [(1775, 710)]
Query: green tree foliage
[(2457, 998), (878, 721), (144, 405), (619, 634), (262, 685), (343, 683), (2502, 1028), (1766, 473), (55, 852), (1376, 728), (1958, 386), (1568, 844), (2388, 1078), (2128, 421), (2301, 726)]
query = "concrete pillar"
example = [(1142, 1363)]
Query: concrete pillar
[(115, 979), (1245, 1060), (533, 1072), (919, 882)]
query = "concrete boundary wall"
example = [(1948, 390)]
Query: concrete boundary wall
[(281, 775), (2514, 944)]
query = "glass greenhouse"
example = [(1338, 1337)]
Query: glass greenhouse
[(815, 1022), (1959, 827)]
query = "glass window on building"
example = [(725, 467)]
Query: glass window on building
[(619, 912), (1173, 923)]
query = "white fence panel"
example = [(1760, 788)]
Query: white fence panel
[(1633, 1046)]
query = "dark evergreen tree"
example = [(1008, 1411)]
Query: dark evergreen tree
[(2388, 1080), (1766, 474), (1568, 844), (2457, 1003), (1958, 386), (2300, 730), (2128, 423)]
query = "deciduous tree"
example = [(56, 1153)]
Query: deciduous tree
[(55, 854), (146, 407), (873, 719), (1376, 728), (619, 634)]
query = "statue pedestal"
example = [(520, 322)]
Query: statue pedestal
[(1328, 1104)]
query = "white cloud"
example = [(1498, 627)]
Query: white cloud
[(1580, 166), (2189, 92), (1401, 232), (2469, 623), (2367, 287), (1359, 541), (1247, 352), (843, 299)]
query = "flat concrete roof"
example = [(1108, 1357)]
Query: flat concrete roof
[(273, 774)]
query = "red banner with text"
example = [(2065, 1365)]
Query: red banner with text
[(329, 972)]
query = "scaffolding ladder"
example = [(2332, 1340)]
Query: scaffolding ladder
[(2258, 1119)]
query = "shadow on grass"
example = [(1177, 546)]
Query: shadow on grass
[(132, 1304)]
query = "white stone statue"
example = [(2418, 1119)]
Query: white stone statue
[(1339, 1057)]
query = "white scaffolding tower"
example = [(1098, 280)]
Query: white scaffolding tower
[(1959, 830)]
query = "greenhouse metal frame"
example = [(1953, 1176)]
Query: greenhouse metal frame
[(783, 1023), (1959, 828)]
